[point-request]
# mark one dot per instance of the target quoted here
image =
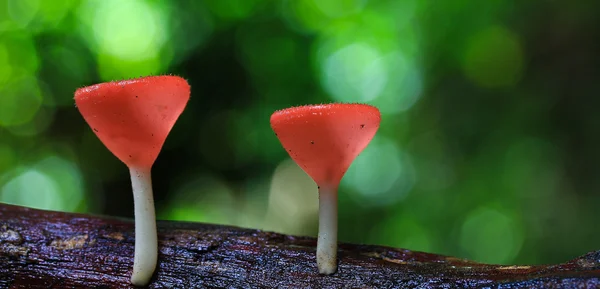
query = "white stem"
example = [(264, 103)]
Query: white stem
[(146, 248), (327, 241)]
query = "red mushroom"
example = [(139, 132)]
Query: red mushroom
[(324, 140), (133, 118)]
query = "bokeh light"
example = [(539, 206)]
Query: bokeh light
[(52, 183), (494, 58), (50, 14), (304, 15), (22, 12), (381, 175), (20, 101), (355, 73), (18, 57), (293, 200), (202, 198), (128, 43), (402, 230), (488, 235), (372, 60)]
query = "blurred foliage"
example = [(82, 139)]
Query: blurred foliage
[(487, 149)]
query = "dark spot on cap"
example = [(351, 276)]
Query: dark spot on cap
[(136, 96), (130, 156), (95, 129), (362, 126), (312, 142)]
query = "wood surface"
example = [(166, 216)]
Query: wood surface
[(43, 249)]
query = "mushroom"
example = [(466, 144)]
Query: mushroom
[(324, 140), (133, 118)]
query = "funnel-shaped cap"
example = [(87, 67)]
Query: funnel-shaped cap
[(133, 117), (325, 139)]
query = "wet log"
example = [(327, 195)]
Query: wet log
[(44, 249)]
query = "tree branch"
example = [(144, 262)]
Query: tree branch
[(42, 249)]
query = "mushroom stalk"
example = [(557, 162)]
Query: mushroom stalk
[(327, 240), (146, 247)]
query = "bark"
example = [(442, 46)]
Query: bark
[(42, 249)]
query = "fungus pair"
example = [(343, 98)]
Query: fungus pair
[(133, 118)]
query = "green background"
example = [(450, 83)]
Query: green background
[(488, 147)]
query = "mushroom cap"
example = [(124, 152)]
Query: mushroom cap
[(325, 139), (133, 117)]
